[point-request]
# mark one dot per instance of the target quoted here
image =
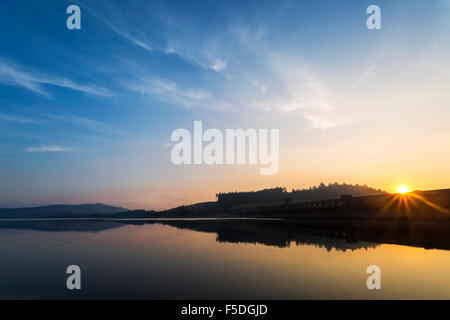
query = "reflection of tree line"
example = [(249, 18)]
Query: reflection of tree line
[(269, 233), (264, 232), (338, 234), (54, 225), (284, 238)]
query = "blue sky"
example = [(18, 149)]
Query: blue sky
[(86, 115)]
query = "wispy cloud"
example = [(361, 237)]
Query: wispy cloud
[(79, 121), (11, 76), (219, 65), (17, 119), (322, 121), (51, 149), (199, 57), (200, 54), (121, 31), (293, 88), (171, 92), (17, 76), (264, 77)]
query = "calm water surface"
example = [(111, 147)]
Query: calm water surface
[(160, 261)]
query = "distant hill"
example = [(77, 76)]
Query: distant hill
[(320, 192), (192, 208), (225, 202), (333, 191), (60, 211)]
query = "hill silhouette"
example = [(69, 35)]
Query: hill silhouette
[(60, 211), (225, 202), (278, 194)]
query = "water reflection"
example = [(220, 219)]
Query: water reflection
[(277, 233), (339, 235), (55, 225), (214, 259)]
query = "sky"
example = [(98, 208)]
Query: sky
[(87, 115)]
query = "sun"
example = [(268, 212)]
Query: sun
[(402, 189)]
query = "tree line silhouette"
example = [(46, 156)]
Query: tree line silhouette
[(280, 194)]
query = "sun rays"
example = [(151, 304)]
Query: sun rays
[(406, 202)]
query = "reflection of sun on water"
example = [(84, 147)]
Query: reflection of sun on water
[(402, 189)]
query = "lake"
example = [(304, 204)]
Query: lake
[(216, 259)]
